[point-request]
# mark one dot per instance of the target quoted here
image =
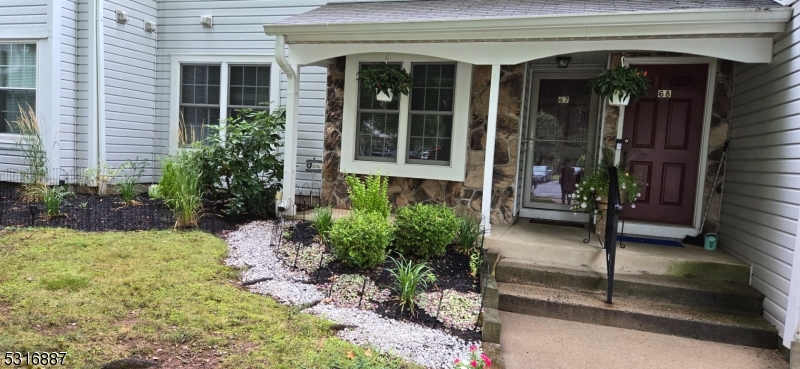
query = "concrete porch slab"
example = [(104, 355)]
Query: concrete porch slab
[(563, 246)]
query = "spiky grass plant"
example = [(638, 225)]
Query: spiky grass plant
[(410, 279), (128, 177), (468, 233), (52, 198), (180, 188), (323, 222), (34, 156)]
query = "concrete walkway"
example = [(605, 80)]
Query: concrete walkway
[(530, 342)]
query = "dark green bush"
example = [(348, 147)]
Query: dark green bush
[(424, 230), (244, 164), (361, 238)]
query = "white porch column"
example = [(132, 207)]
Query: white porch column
[(491, 135), (292, 72)]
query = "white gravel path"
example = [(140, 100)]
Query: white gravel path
[(249, 247)]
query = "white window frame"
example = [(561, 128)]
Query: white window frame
[(224, 61), (457, 169), (7, 138)]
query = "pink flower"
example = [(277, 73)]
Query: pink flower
[(486, 360), (473, 348), (456, 361), (473, 363)]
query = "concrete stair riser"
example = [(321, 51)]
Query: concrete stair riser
[(717, 295), (607, 316)]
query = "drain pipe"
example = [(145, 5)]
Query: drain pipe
[(290, 136), (97, 139)]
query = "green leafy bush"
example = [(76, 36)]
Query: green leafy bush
[(624, 81), (370, 195), (180, 188), (323, 222), (410, 279), (361, 238), (424, 230), (245, 163)]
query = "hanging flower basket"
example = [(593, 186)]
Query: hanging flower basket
[(620, 84), (386, 80)]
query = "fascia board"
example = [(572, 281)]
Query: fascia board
[(618, 24)]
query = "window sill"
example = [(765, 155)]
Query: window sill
[(407, 170)]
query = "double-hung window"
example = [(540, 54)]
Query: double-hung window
[(17, 83), (419, 135), (212, 89)]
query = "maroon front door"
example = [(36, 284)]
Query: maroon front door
[(664, 133)]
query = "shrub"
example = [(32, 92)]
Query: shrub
[(424, 230), (52, 198), (370, 195), (361, 238), (468, 233), (245, 163), (410, 279), (154, 192), (323, 222), (180, 188)]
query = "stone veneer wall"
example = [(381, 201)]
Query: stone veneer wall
[(463, 196), (720, 117)]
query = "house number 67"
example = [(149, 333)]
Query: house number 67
[(665, 93)]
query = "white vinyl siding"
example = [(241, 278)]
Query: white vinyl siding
[(761, 199), (130, 79), (69, 138), (238, 30), (22, 15)]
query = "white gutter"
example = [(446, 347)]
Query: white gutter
[(97, 116), (290, 135), (559, 26)]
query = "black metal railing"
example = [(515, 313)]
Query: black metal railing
[(612, 220)]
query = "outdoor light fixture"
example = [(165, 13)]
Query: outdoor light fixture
[(563, 61)]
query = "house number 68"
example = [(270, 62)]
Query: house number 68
[(665, 93)]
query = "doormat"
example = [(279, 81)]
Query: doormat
[(557, 223), (650, 241)]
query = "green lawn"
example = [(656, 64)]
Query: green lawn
[(105, 296)]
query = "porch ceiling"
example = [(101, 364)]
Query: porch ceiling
[(587, 24)]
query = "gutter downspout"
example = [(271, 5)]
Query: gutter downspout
[(97, 138), (290, 135)]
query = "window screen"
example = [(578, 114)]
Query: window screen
[(377, 126), (430, 127), (249, 88), (17, 83), (199, 105)]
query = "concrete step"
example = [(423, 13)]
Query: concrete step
[(638, 314), (707, 294)]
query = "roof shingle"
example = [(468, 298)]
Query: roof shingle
[(434, 10)]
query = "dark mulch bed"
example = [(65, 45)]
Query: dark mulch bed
[(86, 212), (452, 272)]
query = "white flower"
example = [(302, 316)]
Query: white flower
[(633, 206), (638, 195), (584, 197), (583, 205), (592, 188), (576, 185), (598, 198), (623, 186)]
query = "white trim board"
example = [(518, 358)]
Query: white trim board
[(224, 60), (456, 171)]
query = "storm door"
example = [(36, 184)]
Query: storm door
[(560, 138)]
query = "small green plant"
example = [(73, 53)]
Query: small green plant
[(34, 156), (128, 174), (410, 279), (323, 222), (424, 230), (468, 234), (624, 81), (383, 77), (83, 205), (180, 188), (52, 198), (97, 177), (474, 262), (594, 187), (154, 192), (361, 238), (370, 195)]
